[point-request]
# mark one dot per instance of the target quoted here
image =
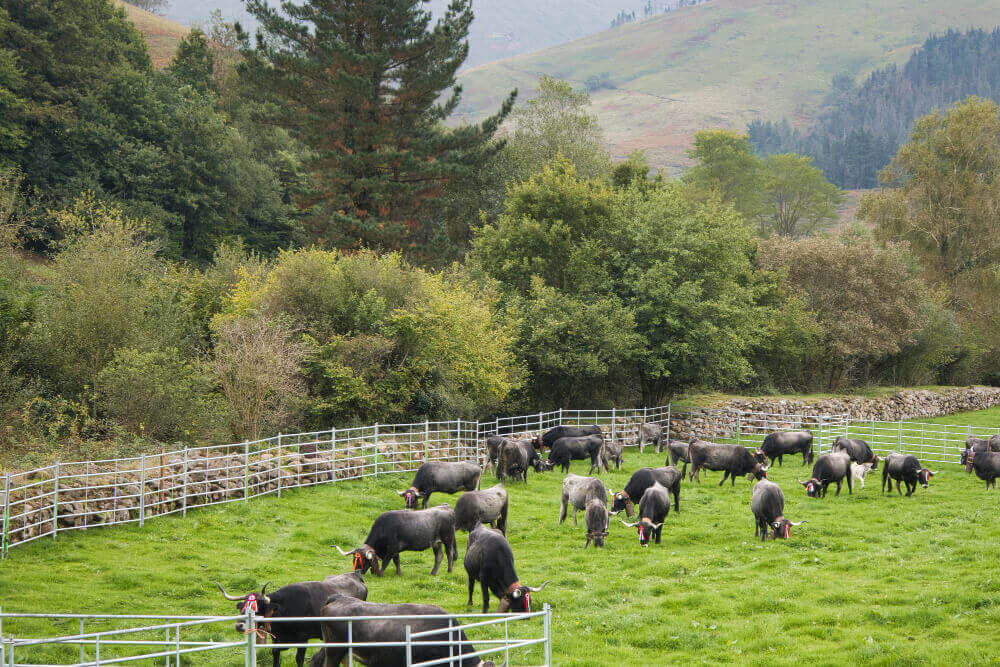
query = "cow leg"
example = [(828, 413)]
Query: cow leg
[(574, 516), (658, 531), (395, 559), (677, 496), (486, 595), (685, 468), (334, 656), (472, 589), (426, 500), (438, 555), (732, 479), (899, 486), (562, 509), (838, 488), (300, 656), (276, 657), (850, 483), (725, 475)]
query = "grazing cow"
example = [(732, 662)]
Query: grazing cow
[(859, 472), (305, 598), (779, 443), (396, 531), (490, 561), (768, 506), (541, 441), (654, 506), (441, 476), (612, 453), (857, 449), (831, 468), (486, 506), (652, 433), (569, 449), (367, 631), (905, 469), (732, 459), (668, 476), (987, 466), (514, 462), (678, 450), (577, 491), (975, 445), (493, 443), (596, 518)]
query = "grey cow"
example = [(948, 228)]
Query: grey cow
[(779, 443), (443, 477), (651, 433), (486, 506), (577, 491), (768, 506)]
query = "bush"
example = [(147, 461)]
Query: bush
[(161, 394)]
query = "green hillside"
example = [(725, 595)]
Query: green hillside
[(162, 35), (723, 63)]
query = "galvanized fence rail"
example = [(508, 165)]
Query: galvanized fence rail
[(76, 496), (71, 639)]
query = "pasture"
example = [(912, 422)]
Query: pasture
[(867, 579)]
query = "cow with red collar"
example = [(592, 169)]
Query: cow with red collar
[(396, 531), (490, 561), (302, 599), (654, 506), (768, 506), (905, 469), (643, 478), (443, 477), (832, 468)]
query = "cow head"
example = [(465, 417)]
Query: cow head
[(874, 461), (759, 472), (597, 537), (760, 457), (258, 603), (620, 501), (924, 475), (411, 498), (965, 455), (645, 528), (365, 558), (782, 527), (541, 465), (536, 442), (968, 460), (813, 487), (518, 598)]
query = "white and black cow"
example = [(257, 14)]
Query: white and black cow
[(577, 491)]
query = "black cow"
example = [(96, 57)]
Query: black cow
[(857, 449), (975, 445), (577, 491), (396, 531), (832, 468), (651, 433), (302, 599), (654, 506), (541, 441), (779, 443), (486, 506), (905, 469), (388, 631), (668, 476), (768, 506), (987, 466), (441, 476), (678, 450), (490, 561), (569, 449), (732, 459), (596, 517)]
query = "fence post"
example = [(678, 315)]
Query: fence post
[(251, 656), (5, 544), (547, 629), (333, 454), (55, 500), (409, 648), (821, 420), (246, 470), (613, 423), (184, 485), (279, 465), (427, 440), (668, 421), (142, 488), (899, 436), (376, 449), (539, 422), (560, 417)]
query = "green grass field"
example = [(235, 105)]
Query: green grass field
[(885, 580)]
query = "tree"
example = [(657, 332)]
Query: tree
[(727, 166), (366, 86), (797, 198), (194, 62), (154, 6)]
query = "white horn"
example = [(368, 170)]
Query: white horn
[(629, 525), (344, 553), (234, 598), (538, 588)]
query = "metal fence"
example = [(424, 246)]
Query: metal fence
[(77, 496), (88, 639)]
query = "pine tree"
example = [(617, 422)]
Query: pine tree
[(367, 84), (194, 62)]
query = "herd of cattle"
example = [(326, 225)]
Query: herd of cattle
[(489, 559)]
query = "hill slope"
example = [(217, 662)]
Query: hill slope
[(723, 63), (162, 35)]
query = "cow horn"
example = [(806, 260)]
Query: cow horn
[(234, 598), (401, 493), (345, 553), (797, 524), (535, 589), (800, 481), (934, 472), (629, 525), (263, 589), (657, 525)]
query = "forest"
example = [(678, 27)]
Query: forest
[(279, 232), (859, 128)]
